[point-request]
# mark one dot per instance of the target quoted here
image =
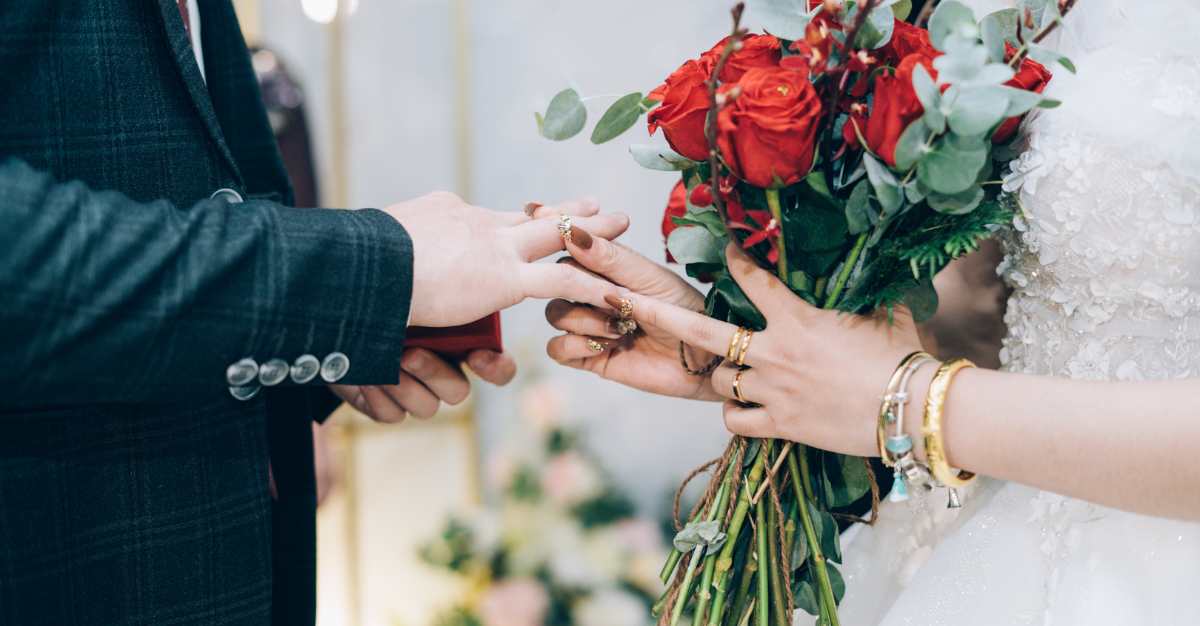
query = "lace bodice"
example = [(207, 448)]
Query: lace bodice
[(1105, 260)]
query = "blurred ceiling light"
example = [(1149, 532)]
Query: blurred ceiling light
[(324, 11)]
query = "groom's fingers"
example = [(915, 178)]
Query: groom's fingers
[(497, 368), (692, 328), (558, 280), (540, 238), (583, 207), (581, 319), (447, 382)]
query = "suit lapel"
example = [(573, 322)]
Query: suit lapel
[(185, 61)]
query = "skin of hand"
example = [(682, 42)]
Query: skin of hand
[(819, 376), (469, 261), (646, 360), (426, 381)]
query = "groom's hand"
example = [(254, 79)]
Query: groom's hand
[(469, 261), (426, 381)]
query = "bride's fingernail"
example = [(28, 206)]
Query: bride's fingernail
[(532, 207), (581, 238), (623, 306)]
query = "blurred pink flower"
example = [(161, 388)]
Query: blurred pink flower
[(570, 479), (542, 406), (514, 602)]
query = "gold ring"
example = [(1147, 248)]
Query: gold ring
[(737, 387), (595, 346), (734, 343), (744, 348), (564, 227)]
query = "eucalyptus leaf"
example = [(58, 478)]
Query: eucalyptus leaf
[(915, 191), (887, 188), (858, 209), (660, 158), (978, 110), (1049, 103), (1019, 100), (997, 28), (710, 220), (782, 18), (951, 19), (877, 31), (619, 117), (956, 204), (902, 9), (837, 583), (695, 534), (926, 89), (970, 67), (1046, 56), (922, 300), (693, 244), (565, 116), (950, 168), (911, 145), (805, 594), (816, 181)]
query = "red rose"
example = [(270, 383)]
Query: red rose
[(701, 195), (906, 40), (757, 51), (1032, 76), (895, 107), (767, 133), (676, 207), (684, 107)]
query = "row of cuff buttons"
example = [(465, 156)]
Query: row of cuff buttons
[(246, 377)]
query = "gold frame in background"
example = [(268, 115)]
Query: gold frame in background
[(354, 439)]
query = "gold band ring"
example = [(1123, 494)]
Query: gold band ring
[(743, 348), (737, 387), (735, 343)]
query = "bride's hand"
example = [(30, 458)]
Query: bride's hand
[(647, 359), (818, 375)]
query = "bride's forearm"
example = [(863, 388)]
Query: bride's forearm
[(1129, 445)]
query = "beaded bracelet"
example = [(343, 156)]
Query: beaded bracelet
[(897, 448)]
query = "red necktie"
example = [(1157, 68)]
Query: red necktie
[(183, 12)]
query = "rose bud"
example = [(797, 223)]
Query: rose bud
[(767, 135), (701, 195)]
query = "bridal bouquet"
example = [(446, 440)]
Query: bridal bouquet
[(856, 155)]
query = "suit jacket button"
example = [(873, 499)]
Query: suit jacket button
[(226, 194), (241, 373), (244, 392), (334, 367), (305, 369), (273, 372)]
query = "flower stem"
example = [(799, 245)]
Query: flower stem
[(763, 602), (778, 607), (725, 558), (851, 260), (802, 487), (777, 214), (710, 563), (685, 590)]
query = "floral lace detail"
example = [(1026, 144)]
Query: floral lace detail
[(1104, 262)]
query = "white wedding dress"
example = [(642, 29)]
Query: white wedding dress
[(1105, 267)]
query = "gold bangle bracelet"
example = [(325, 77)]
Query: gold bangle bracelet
[(886, 403), (935, 446)]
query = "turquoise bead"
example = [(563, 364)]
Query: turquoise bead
[(899, 445), (899, 489)]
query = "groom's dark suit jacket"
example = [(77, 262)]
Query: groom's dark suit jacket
[(133, 486)]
